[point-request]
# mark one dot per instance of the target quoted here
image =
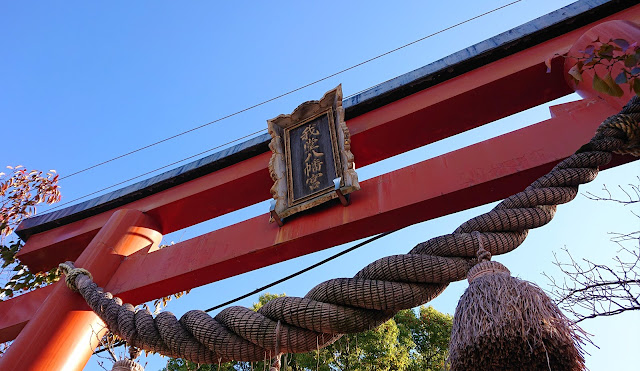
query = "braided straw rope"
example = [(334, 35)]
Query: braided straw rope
[(379, 290), (71, 273)]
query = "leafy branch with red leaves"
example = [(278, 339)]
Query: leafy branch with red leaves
[(20, 191), (616, 56)]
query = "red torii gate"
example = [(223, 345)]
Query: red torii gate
[(117, 238)]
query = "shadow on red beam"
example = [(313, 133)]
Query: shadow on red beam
[(17, 311), (458, 180)]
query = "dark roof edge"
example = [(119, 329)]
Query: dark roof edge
[(145, 188), (539, 30), (534, 32)]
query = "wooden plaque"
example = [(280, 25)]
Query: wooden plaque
[(310, 149)]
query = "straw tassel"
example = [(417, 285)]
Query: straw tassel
[(505, 323), (129, 364)]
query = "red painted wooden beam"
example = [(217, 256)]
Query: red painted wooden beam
[(187, 204), (447, 109), (465, 178), (17, 311), (456, 105), (64, 331)]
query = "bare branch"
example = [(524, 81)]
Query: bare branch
[(107, 343), (632, 194), (590, 290)]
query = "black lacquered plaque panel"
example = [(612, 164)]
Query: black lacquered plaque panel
[(311, 155)]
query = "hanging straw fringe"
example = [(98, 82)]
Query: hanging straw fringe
[(504, 323), (387, 285), (127, 365), (275, 366)]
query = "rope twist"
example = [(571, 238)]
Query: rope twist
[(487, 267), (127, 365), (380, 289), (628, 125), (71, 273)]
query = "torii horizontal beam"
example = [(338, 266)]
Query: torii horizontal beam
[(455, 106), (462, 179), (465, 178)]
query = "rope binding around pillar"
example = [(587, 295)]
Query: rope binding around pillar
[(520, 328)]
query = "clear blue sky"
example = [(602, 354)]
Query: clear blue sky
[(82, 82)]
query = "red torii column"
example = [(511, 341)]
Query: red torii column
[(65, 331)]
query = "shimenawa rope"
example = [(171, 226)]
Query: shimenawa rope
[(379, 290)]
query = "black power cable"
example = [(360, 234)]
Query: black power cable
[(260, 289)]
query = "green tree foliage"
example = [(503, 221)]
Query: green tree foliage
[(429, 331), (264, 299), (416, 339)]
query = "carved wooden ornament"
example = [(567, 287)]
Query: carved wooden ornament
[(311, 161)]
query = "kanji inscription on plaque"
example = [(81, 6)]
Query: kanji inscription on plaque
[(311, 161)]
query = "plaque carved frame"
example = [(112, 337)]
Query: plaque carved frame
[(279, 170)]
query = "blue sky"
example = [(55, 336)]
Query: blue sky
[(83, 82)]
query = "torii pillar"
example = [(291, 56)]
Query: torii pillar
[(65, 331)]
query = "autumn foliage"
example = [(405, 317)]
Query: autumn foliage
[(617, 61), (20, 191)]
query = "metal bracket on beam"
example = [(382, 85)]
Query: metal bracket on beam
[(274, 214), (344, 199)]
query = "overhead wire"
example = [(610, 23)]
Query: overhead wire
[(288, 92), (249, 108), (301, 271), (153, 171)]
